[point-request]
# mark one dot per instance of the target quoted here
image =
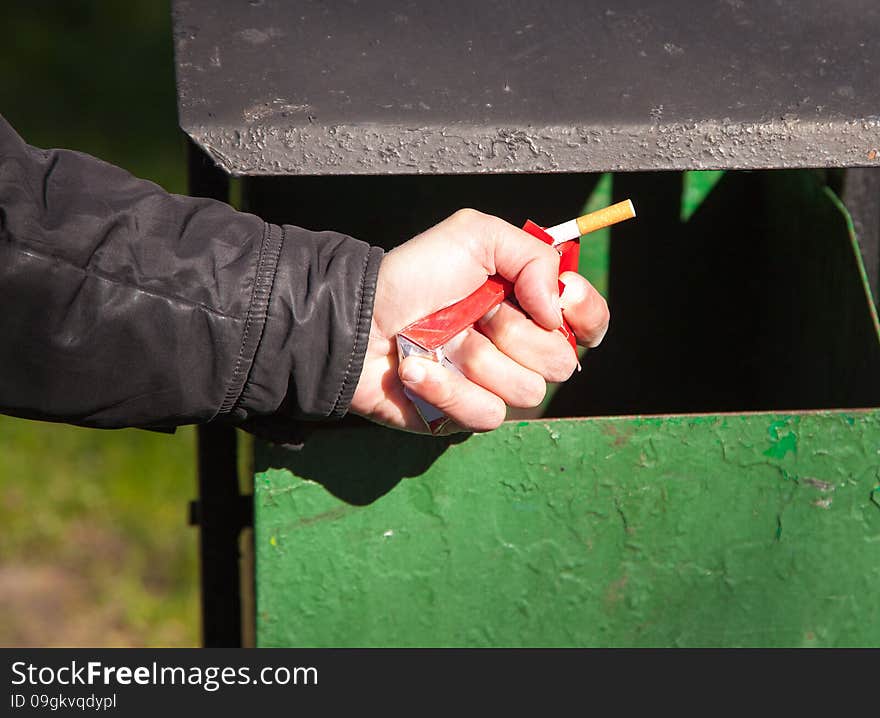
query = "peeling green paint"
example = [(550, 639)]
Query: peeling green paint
[(785, 444), (671, 531), (781, 444)]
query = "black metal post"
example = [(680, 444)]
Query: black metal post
[(218, 511)]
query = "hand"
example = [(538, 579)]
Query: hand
[(510, 354)]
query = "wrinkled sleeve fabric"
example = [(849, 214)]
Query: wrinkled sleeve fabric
[(124, 305)]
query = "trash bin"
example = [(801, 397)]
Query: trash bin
[(711, 477)]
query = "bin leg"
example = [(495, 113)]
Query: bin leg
[(219, 509), (220, 521)]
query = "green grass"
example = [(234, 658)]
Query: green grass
[(104, 512), (94, 545)]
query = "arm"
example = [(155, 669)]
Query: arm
[(124, 305)]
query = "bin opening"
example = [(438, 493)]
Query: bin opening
[(748, 297)]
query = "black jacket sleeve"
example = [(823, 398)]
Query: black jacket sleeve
[(124, 305)]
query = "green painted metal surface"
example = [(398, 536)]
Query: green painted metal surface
[(738, 530), (754, 529)]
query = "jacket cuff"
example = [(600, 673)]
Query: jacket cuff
[(310, 352), (366, 299)]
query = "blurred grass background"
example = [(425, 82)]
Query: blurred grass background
[(94, 546)]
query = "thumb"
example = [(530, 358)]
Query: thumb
[(530, 264)]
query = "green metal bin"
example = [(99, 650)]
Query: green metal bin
[(753, 528), (710, 478)]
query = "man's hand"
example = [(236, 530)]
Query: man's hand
[(511, 355)]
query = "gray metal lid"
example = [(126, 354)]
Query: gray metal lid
[(472, 86)]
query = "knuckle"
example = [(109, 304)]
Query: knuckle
[(478, 356), (550, 252), (546, 254), (488, 415), (604, 312), (466, 215), (562, 372), (495, 415), (445, 396), (562, 366), (533, 392), (507, 333), (599, 318)]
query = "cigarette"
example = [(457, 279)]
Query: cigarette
[(599, 219)]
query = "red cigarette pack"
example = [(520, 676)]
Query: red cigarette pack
[(427, 336)]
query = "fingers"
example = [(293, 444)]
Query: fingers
[(531, 265), (544, 352), (481, 362), (586, 311), (506, 359), (469, 405)]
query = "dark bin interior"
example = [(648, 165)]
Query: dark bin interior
[(379, 121), (756, 301)]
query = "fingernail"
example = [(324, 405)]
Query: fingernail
[(572, 293), (413, 372)]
